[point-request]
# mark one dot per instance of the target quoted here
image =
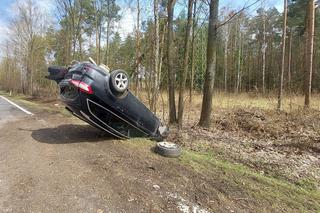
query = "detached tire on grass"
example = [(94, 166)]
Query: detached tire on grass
[(168, 149)]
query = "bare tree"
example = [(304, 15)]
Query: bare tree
[(194, 24), (112, 15), (63, 8), (264, 51), (226, 43), (205, 117), (184, 70), (72, 15), (171, 73), (284, 34), (239, 63), (155, 73), (25, 28), (309, 51), (99, 15), (138, 57), (290, 59), (98, 31)]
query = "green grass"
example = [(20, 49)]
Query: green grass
[(308, 183), (277, 192)]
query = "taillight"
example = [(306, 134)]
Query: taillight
[(83, 87)]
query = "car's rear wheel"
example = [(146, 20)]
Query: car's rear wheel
[(119, 80)]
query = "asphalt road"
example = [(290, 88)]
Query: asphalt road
[(9, 112)]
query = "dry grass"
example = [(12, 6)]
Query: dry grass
[(245, 100), (269, 102), (225, 102)]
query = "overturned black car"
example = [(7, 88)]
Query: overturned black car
[(102, 99)]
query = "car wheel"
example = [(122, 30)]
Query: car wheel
[(168, 149), (119, 81)]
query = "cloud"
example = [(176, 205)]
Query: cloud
[(44, 6), (3, 30), (127, 23), (128, 13), (279, 7)]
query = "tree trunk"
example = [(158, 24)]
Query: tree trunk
[(160, 61), (226, 42), (98, 33), (68, 51), (137, 48), (235, 55), (107, 43), (156, 56), (97, 47), (184, 71), (309, 52), (211, 65), (284, 34), (289, 60), (239, 62), (194, 24), (80, 46), (264, 49), (171, 73)]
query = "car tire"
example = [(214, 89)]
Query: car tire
[(168, 149), (119, 81)]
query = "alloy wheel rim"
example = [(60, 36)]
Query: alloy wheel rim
[(168, 145), (121, 81)]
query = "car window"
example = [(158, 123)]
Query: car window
[(76, 67), (68, 91)]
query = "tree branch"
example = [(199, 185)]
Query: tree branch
[(237, 13)]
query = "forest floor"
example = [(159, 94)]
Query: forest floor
[(252, 159), (248, 129)]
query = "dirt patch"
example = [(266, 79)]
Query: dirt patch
[(71, 167)]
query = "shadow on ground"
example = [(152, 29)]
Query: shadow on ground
[(70, 134)]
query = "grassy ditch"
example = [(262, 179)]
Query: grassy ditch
[(271, 192)]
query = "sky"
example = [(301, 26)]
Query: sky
[(3, 9), (127, 23), (7, 12), (4, 17)]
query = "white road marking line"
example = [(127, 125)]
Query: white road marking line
[(19, 107)]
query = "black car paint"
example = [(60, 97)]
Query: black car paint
[(125, 109)]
